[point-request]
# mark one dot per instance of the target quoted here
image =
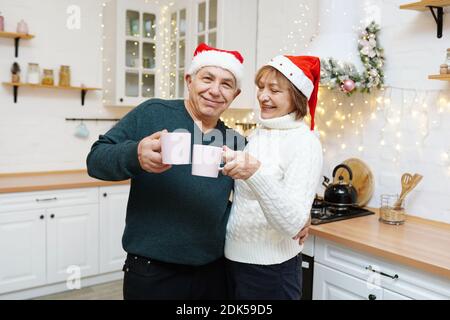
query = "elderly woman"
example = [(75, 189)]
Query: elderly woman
[(276, 179)]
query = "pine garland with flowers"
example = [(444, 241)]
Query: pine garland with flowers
[(343, 75)]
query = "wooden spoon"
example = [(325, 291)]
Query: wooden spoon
[(410, 186), (406, 184)]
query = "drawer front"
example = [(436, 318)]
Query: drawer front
[(399, 278), (47, 199)]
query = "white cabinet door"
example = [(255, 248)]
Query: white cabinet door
[(113, 207), (72, 242), (22, 250), (330, 284), (390, 295)]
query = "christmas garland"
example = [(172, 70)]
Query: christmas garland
[(336, 74)]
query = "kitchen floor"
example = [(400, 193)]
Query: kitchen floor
[(107, 291)]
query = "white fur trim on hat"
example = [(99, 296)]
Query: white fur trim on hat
[(294, 74), (220, 59)]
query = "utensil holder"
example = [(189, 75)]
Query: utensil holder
[(388, 214)]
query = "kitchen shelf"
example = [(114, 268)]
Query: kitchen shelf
[(16, 86), (435, 6), (16, 37), (442, 77)]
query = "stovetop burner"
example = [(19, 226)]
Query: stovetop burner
[(324, 213)]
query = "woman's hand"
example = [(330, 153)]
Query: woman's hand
[(303, 234), (239, 165)]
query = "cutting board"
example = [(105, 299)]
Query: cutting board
[(362, 179)]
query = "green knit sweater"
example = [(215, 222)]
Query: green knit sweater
[(174, 216)]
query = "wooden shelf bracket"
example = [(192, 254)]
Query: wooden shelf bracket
[(439, 18)]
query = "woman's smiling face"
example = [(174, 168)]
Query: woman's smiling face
[(274, 96)]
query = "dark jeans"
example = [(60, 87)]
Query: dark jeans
[(147, 279), (265, 282)]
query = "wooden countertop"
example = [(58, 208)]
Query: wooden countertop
[(419, 243), (38, 181)]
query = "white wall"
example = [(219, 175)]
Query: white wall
[(34, 135), (412, 52)]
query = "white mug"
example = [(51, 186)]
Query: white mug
[(176, 148), (206, 161)]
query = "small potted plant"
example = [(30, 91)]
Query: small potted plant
[(15, 73)]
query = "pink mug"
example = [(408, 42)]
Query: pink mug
[(206, 161), (176, 148)]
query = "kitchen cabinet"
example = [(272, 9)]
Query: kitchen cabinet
[(22, 250), (45, 233), (72, 241), (341, 272), (113, 207), (131, 52), (47, 237), (330, 284)]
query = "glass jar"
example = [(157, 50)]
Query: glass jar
[(448, 58), (48, 79), (389, 213), (33, 75), (2, 22), (64, 76)]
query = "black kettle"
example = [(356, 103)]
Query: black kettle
[(340, 195)]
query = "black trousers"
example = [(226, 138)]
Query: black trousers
[(147, 279), (265, 282)]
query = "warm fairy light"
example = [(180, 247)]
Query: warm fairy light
[(382, 142), (343, 146)]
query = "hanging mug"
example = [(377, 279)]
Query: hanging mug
[(82, 131)]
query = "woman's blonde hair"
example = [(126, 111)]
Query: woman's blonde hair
[(298, 99)]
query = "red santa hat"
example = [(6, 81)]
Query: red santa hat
[(206, 56), (304, 73)]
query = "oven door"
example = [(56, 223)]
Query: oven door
[(307, 273)]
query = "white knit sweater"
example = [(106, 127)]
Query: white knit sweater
[(274, 204)]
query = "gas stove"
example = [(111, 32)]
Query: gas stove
[(324, 213)]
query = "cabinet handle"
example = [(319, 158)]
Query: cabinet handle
[(372, 297), (42, 217), (370, 268), (105, 195), (121, 100), (52, 216), (47, 199)]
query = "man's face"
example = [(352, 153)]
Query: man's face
[(211, 91)]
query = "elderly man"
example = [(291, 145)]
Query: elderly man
[(175, 224)]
